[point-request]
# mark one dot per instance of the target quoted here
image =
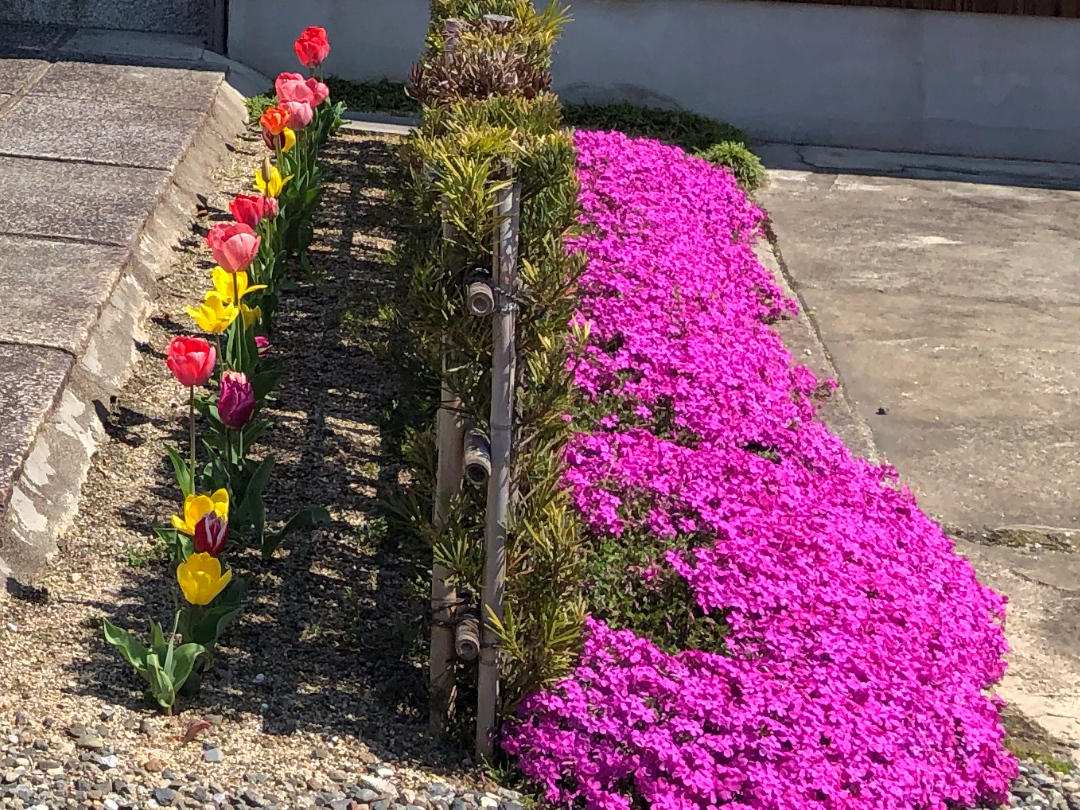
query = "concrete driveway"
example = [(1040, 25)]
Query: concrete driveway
[(947, 296)]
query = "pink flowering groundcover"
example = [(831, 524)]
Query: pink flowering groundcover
[(858, 647)]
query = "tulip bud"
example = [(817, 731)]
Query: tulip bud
[(211, 534), (236, 400), (267, 169)]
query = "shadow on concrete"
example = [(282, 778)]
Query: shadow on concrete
[(67, 43), (834, 160)]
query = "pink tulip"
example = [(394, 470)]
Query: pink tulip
[(236, 400), (300, 114), (233, 246), (293, 87), (319, 91), (262, 345)]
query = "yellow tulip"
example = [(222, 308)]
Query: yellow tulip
[(252, 315), (273, 186), (196, 507), (223, 284), (214, 314), (201, 579), (290, 139)]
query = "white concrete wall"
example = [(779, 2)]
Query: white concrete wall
[(369, 39), (972, 84)]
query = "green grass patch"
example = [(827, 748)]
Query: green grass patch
[(630, 586), (257, 105), (383, 96)]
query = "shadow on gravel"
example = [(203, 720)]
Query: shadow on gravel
[(332, 639)]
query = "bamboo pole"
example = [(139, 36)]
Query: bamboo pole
[(450, 434), (501, 436)]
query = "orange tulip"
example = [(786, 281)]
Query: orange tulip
[(275, 120)]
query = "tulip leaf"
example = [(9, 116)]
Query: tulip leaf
[(265, 381), (253, 430), (207, 626), (306, 518), (182, 470), (183, 662), (131, 649), (180, 545), (161, 685), (157, 638), (255, 486), (258, 518)]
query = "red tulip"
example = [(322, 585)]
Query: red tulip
[(236, 400), (300, 114), (251, 209), (211, 534), (191, 360), (312, 47), (233, 246)]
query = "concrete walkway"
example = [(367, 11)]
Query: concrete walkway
[(101, 156), (946, 294)]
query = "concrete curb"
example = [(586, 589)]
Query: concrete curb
[(359, 117), (803, 340), (46, 491)]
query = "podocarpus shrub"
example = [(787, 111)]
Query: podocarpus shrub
[(851, 646), (489, 119)]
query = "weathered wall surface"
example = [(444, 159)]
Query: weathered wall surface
[(924, 81), (160, 16)]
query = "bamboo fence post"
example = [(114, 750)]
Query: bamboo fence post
[(450, 433), (501, 438)]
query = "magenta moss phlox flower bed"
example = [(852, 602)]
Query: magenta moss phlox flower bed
[(859, 644)]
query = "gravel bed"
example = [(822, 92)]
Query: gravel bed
[(319, 693), (85, 769), (1041, 786)]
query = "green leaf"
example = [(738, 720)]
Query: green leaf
[(253, 430), (182, 471), (157, 639), (208, 624), (306, 518), (161, 685), (130, 648), (183, 663), (180, 545), (265, 381), (256, 484), (258, 518)]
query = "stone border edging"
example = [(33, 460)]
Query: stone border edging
[(45, 495)]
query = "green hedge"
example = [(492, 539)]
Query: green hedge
[(486, 104)]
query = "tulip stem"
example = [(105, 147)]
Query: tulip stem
[(239, 321), (191, 434)]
